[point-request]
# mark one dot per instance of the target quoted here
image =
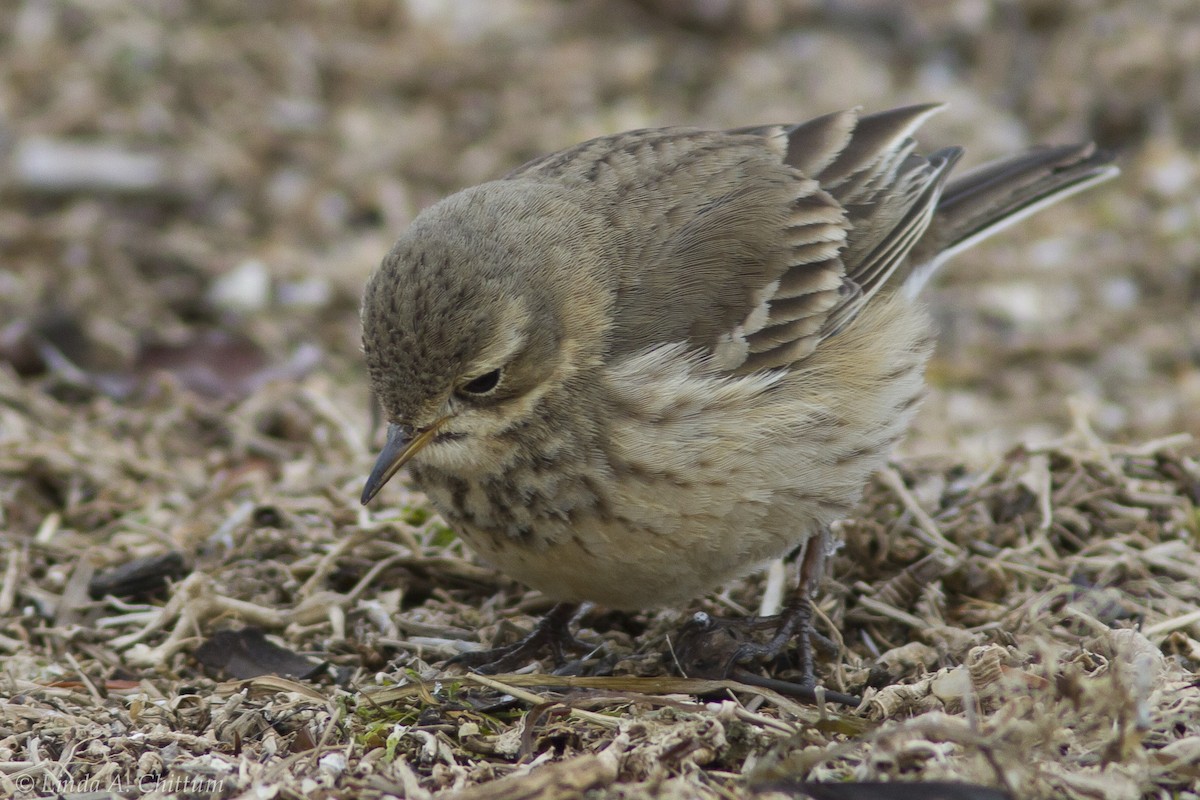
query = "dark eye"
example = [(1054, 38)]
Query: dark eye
[(483, 384)]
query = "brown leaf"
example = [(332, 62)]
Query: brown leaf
[(246, 653), (139, 578)]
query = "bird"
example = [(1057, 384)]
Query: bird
[(631, 371)]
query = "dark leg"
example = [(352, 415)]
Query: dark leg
[(794, 623), (812, 568), (711, 648), (552, 632)]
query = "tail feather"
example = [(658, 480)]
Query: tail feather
[(991, 197)]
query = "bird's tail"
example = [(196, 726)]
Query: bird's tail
[(995, 195)]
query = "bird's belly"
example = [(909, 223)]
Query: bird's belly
[(599, 564), (645, 552)]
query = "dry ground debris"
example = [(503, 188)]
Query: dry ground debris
[(191, 197)]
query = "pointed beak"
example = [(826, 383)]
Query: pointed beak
[(402, 444)]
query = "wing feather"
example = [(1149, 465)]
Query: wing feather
[(756, 244)]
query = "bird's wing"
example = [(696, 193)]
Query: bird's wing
[(754, 244), (889, 194), (1001, 193)]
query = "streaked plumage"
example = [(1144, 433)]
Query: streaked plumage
[(704, 341)]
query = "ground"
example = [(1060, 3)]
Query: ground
[(191, 198)]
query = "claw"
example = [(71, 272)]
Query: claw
[(552, 632)]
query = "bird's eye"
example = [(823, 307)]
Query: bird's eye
[(482, 384)]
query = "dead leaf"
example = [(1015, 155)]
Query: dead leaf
[(246, 653)]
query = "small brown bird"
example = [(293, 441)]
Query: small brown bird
[(635, 369)]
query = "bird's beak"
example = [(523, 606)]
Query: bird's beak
[(402, 444)]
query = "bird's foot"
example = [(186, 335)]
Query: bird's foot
[(552, 633), (717, 649), (711, 647)]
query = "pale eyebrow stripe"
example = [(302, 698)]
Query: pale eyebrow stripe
[(513, 326)]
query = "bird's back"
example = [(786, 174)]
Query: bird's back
[(757, 244)]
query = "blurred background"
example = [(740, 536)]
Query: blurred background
[(198, 190), (193, 193)]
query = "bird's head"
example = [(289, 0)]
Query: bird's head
[(488, 303)]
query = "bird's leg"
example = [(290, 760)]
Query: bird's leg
[(715, 649), (552, 632), (712, 648), (796, 620)]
